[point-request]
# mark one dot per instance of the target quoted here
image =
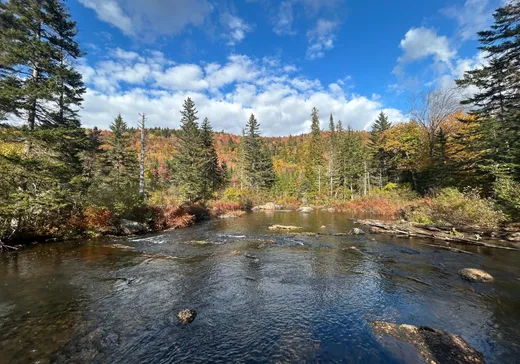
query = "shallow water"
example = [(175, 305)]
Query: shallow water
[(261, 296)]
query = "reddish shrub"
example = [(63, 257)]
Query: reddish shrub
[(222, 207), (97, 217), (171, 218)]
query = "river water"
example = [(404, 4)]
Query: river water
[(261, 296)]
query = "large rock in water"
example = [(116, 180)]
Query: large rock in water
[(186, 316), (128, 227), (305, 209), (476, 275), (358, 231), (268, 206), (435, 346)]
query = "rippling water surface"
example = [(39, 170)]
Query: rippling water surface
[(261, 296)]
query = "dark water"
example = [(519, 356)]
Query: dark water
[(303, 299)]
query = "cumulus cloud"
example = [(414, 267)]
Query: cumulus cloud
[(227, 93), (419, 43), (150, 18), (321, 38)]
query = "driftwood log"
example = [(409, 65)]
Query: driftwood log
[(462, 235)]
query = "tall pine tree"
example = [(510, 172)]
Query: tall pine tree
[(256, 161), (496, 104), (214, 175), (191, 155), (381, 157), (313, 168)]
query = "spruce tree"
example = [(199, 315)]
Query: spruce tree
[(354, 163), (497, 100), (37, 75), (191, 155), (313, 169), (256, 160), (40, 86), (334, 168), (213, 173), (381, 158)]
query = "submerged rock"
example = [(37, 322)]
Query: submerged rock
[(187, 316), (476, 275), (358, 231), (353, 248), (232, 214), (305, 209), (435, 346), (284, 227)]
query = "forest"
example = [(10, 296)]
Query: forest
[(453, 162)]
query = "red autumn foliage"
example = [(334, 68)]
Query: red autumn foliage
[(97, 218), (171, 218), (222, 207)]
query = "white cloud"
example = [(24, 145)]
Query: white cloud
[(226, 93), (110, 12), (150, 18), (472, 17), (183, 77), (236, 28), (419, 43), (321, 38)]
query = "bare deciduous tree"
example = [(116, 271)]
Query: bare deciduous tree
[(432, 108)]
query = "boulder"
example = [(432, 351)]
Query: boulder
[(128, 227), (435, 346), (186, 316), (515, 237), (475, 275), (358, 231), (305, 209), (270, 206), (284, 227)]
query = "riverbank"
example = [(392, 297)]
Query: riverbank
[(451, 217)]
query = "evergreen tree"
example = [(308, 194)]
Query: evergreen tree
[(376, 142), (354, 163), (313, 169), (214, 175), (191, 155), (256, 160), (37, 75), (334, 167), (120, 163), (496, 104), (39, 85)]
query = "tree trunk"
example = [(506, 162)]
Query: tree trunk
[(141, 162)]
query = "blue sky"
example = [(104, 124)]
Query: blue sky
[(276, 59)]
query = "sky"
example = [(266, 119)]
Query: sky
[(276, 59)]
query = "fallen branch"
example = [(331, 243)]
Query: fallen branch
[(437, 233)]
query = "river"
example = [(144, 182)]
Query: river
[(261, 295)]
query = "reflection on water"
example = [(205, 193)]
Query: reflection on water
[(260, 295)]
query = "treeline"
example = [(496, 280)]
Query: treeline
[(58, 177)]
